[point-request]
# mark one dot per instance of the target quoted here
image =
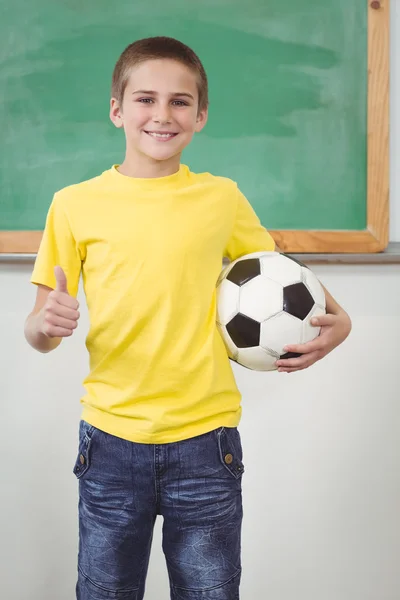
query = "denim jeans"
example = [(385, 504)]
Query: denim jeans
[(195, 484)]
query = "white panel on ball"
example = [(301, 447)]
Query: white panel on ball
[(228, 301), (260, 298), (280, 268), (281, 330), (257, 358), (309, 331), (314, 287)]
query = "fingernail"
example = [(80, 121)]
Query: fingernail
[(314, 321)]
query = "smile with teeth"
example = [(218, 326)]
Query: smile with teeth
[(161, 136)]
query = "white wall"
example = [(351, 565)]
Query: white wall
[(322, 481)]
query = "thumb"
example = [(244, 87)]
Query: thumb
[(61, 280)]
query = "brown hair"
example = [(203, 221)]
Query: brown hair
[(156, 48)]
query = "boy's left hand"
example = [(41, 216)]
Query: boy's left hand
[(334, 330)]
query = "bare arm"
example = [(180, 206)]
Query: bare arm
[(33, 324), (333, 308), (335, 327)]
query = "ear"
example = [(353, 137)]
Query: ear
[(116, 113), (201, 120)]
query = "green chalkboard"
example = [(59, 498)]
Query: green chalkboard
[(288, 101)]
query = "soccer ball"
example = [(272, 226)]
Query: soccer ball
[(266, 301)]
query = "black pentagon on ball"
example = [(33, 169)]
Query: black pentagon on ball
[(297, 300), (244, 271), (244, 332)]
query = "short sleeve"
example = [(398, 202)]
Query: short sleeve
[(57, 247), (248, 235)]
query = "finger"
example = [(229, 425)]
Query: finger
[(64, 299), (61, 280), (288, 370), (323, 320), (298, 363), (62, 310), (313, 346), (298, 368), (57, 321), (53, 331)]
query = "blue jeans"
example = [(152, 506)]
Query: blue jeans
[(195, 484)]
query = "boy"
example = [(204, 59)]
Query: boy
[(158, 433)]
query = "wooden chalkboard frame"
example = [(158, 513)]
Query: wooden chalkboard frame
[(376, 235)]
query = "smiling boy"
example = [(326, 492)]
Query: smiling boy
[(160, 105), (158, 434)]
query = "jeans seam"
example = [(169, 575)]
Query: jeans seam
[(100, 587), (215, 587), (89, 432), (156, 480)]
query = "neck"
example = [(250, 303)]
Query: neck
[(145, 167)]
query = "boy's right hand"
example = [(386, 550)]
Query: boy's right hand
[(59, 315)]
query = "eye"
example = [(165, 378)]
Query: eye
[(145, 100), (180, 103)]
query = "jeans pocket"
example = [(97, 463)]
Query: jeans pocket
[(230, 450), (82, 462)]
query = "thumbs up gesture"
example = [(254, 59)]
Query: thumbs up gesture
[(60, 312)]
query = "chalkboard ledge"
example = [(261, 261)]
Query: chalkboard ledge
[(389, 256)]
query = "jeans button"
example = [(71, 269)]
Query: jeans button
[(228, 459)]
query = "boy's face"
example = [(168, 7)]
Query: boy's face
[(159, 111)]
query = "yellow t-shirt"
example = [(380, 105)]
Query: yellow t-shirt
[(150, 252)]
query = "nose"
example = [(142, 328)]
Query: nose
[(162, 114)]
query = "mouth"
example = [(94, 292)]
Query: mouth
[(161, 136)]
